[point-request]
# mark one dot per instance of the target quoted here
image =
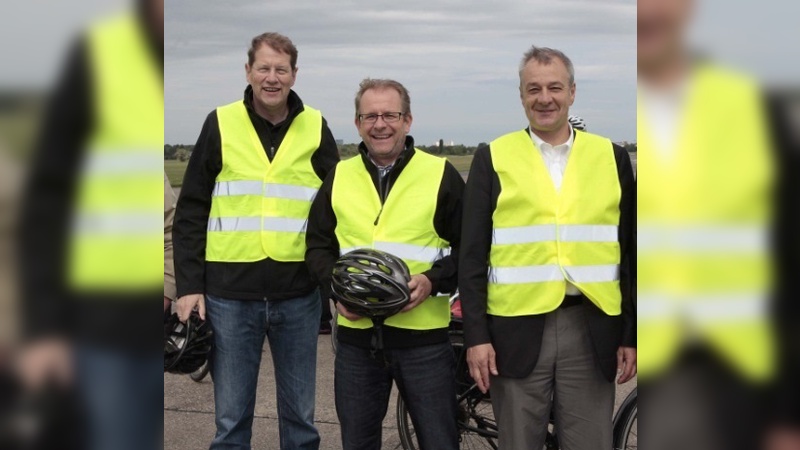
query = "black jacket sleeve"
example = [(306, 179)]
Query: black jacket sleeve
[(322, 246), (447, 222), (627, 243), (480, 200), (327, 155), (49, 196), (192, 211)]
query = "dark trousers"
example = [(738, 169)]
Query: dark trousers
[(425, 378)]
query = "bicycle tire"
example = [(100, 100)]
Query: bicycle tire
[(626, 432), (334, 329), (199, 374)]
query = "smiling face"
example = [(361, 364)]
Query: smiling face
[(384, 141), (271, 75), (547, 94), (661, 26)]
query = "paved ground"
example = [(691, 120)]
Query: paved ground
[(189, 408)]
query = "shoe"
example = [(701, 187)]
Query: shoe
[(325, 328)]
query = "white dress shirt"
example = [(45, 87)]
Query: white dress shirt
[(555, 158)]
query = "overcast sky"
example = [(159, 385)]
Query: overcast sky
[(458, 58)]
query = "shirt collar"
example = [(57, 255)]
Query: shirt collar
[(540, 143)]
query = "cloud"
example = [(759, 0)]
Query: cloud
[(458, 58)]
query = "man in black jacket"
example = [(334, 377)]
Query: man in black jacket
[(393, 198), (544, 275), (239, 239)]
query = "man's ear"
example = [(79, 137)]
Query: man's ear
[(572, 93)]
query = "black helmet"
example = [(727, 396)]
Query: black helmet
[(371, 283), (186, 345)]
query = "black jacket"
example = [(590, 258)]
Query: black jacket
[(262, 280), (115, 320), (517, 340), (323, 247)]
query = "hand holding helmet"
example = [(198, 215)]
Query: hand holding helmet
[(186, 345), (371, 283)]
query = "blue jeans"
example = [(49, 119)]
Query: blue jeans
[(239, 328), (122, 394), (425, 377)]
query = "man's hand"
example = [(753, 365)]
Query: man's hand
[(346, 312), (626, 364), (48, 360), (481, 361), (782, 438), (420, 287), (167, 303), (189, 302)]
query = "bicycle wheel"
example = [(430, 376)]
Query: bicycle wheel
[(334, 330), (199, 374), (626, 432), (477, 427)]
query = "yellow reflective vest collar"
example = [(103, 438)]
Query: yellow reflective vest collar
[(543, 237), (116, 242), (403, 226), (704, 268), (259, 208)]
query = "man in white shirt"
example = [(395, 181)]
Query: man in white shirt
[(545, 271)]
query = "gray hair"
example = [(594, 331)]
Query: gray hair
[(545, 55), (377, 83)]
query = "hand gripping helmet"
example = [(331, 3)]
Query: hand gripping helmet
[(371, 283), (186, 345), (577, 123)]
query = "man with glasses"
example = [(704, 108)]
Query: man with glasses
[(394, 198), (239, 238)]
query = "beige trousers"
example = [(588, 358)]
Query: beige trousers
[(567, 379)]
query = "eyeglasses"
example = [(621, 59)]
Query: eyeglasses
[(389, 117)]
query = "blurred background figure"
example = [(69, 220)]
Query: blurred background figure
[(90, 248), (712, 201)]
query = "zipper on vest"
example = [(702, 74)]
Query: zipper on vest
[(383, 191)]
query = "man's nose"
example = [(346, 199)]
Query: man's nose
[(272, 76)]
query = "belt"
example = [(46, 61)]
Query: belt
[(571, 300)]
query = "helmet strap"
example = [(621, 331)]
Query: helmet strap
[(376, 345)]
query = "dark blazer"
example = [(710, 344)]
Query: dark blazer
[(517, 340)]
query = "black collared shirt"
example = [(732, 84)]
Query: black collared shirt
[(262, 280)]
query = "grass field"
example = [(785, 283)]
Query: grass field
[(175, 168)]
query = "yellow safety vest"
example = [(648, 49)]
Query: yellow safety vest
[(543, 237), (116, 242), (402, 227), (259, 209), (703, 213)]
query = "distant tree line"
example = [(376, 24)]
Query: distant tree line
[(347, 150), (183, 152), (178, 152)]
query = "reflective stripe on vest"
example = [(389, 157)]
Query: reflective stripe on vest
[(543, 238), (408, 252), (116, 238), (553, 272), (259, 209), (704, 206), (403, 227), (541, 233)]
